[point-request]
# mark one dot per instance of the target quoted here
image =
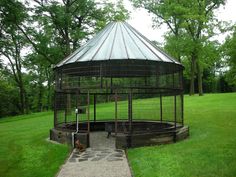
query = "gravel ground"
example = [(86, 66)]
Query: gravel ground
[(100, 160)]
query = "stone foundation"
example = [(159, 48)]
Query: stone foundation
[(144, 134)]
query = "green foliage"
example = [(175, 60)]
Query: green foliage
[(63, 27), (12, 12), (9, 104), (38, 34), (191, 24), (229, 51), (12, 43), (115, 12)]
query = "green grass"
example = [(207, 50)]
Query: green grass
[(24, 151), (210, 150)]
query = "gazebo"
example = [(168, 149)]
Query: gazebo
[(119, 82)]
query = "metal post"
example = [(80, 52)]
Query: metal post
[(55, 109), (182, 108), (88, 111), (161, 107), (181, 79), (101, 78), (60, 84), (106, 86), (65, 115), (77, 120), (77, 99), (111, 86), (115, 113), (76, 111), (94, 107), (130, 119), (173, 80), (175, 117), (130, 111), (88, 119), (57, 86)]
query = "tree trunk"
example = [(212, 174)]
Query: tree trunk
[(66, 29), (40, 98), (192, 75), (49, 82), (199, 78), (20, 83), (22, 100), (68, 98), (49, 97)]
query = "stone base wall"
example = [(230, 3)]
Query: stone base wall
[(148, 139), (65, 137), (124, 141)]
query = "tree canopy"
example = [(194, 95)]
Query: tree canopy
[(191, 25), (36, 34)]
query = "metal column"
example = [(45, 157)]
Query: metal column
[(130, 111), (94, 107), (161, 107), (182, 108), (88, 119), (55, 109), (88, 111), (130, 118), (175, 117), (115, 113)]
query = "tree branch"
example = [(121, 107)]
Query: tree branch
[(12, 66), (211, 8), (35, 46)]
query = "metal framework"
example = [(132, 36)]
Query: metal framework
[(122, 69)]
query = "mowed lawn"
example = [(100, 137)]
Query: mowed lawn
[(209, 151), (24, 151)]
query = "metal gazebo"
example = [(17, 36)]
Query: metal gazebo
[(119, 82)]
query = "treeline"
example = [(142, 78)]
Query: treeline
[(36, 34), (192, 39)]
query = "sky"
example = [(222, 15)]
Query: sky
[(142, 20)]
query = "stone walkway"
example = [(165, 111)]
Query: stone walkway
[(101, 160)]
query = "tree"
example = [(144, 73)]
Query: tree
[(229, 53), (60, 27), (39, 85), (9, 104), (193, 20), (38, 34), (12, 44), (64, 26)]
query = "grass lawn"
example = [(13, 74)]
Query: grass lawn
[(24, 151), (210, 150)]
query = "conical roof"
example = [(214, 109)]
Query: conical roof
[(118, 41)]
